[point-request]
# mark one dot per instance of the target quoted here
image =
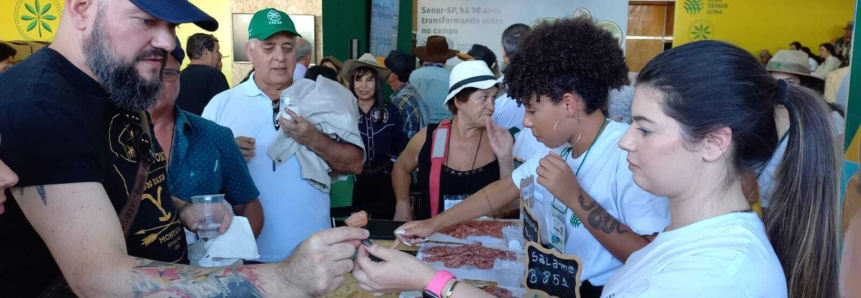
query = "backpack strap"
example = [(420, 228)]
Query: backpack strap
[(439, 153)]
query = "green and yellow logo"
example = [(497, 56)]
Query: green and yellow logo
[(693, 6), (35, 21), (702, 30)]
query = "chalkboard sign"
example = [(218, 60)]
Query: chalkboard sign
[(531, 226), (551, 273)]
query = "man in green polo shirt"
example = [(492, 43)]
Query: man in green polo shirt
[(202, 156)]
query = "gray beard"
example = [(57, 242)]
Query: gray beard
[(127, 89)]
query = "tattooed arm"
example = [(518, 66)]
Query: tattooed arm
[(82, 231), (555, 175), (612, 234)]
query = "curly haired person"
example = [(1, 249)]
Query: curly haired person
[(562, 74)]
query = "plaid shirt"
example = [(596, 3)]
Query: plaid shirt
[(432, 85), (414, 113)]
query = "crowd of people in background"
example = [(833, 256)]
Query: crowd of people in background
[(654, 179)]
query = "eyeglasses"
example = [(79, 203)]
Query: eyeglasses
[(169, 74), (141, 139)]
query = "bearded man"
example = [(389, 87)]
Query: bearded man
[(92, 212)]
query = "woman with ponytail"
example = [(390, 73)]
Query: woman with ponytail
[(703, 116)]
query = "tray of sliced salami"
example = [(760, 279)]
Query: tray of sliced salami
[(486, 232)]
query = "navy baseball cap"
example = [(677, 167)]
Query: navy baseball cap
[(177, 12), (177, 52)]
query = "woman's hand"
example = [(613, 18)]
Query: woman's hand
[(500, 140), (397, 272), (415, 231), (555, 175)]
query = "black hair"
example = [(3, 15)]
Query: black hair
[(830, 48), (807, 51), (709, 85), (796, 44), (197, 43), (318, 70), (482, 53), (379, 103), (568, 56), (401, 64), (462, 96), (6, 51), (511, 37)]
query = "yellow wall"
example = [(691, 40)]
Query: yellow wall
[(220, 10), (765, 24)]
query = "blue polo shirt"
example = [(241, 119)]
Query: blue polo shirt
[(206, 160)]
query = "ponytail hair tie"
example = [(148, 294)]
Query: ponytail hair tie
[(782, 90)]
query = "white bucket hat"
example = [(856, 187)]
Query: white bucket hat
[(469, 74)]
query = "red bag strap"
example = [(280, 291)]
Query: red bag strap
[(439, 152)]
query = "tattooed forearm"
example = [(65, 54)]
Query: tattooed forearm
[(41, 190), (600, 219), (156, 279)]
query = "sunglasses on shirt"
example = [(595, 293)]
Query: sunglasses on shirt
[(142, 140)]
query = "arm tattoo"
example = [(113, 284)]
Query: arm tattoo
[(41, 190), (155, 279), (600, 219)]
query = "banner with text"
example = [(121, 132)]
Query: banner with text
[(468, 22), (384, 27), (762, 24)]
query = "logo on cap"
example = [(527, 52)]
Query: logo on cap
[(274, 17)]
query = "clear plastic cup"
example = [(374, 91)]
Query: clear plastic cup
[(209, 211), (513, 236), (509, 273)]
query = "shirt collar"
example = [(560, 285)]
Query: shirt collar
[(434, 64), (181, 119), (402, 87), (251, 89)]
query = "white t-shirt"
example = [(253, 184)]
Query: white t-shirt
[(507, 113), (293, 208), (724, 256), (526, 145), (606, 178), (765, 178)]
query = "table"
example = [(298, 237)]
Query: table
[(351, 288)]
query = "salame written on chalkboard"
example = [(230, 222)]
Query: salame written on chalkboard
[(555, 275)]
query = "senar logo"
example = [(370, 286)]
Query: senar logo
[(693, 6), (36, 21)]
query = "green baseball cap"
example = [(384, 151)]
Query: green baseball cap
[(269, 21)]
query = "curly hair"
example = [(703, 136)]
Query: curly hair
[(569, 55)]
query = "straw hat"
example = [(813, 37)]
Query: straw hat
[(789, 61), (469, 74), (436, 50), (366, 60)]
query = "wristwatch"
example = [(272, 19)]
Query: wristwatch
[(434, 289)]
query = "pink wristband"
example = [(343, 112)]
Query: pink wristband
[(438, 282)]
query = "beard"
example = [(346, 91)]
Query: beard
[(120, 78)]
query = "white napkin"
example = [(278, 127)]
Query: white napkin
[(226, 249)]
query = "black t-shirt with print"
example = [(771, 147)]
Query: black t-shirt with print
[(58, 126)]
